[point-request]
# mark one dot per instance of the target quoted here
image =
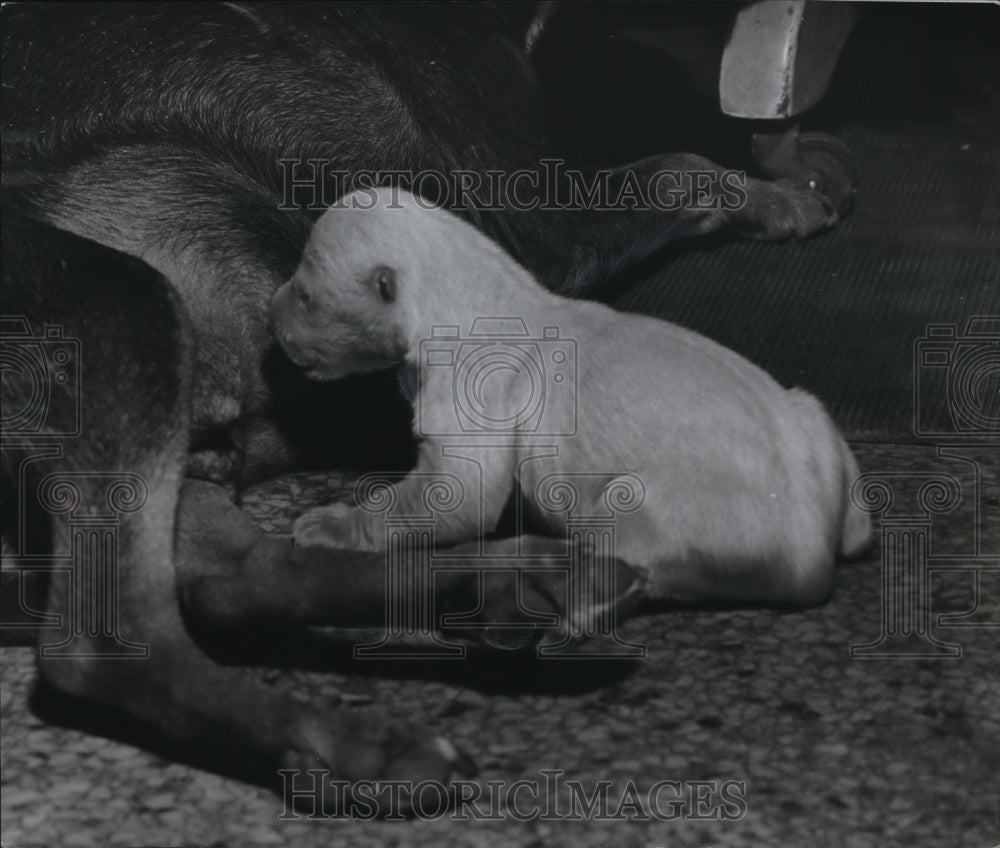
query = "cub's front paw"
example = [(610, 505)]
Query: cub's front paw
[(335, 526)]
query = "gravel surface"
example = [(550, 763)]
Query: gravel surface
[(817, 748)]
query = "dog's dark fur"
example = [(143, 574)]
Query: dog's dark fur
[(141, 195)]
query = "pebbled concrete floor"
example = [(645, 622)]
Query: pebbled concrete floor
[(817, 748)]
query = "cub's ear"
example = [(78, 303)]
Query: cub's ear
[(384, 282)]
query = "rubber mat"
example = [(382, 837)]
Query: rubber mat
[(847, 314)]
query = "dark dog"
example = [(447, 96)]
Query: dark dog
[(147, 212)]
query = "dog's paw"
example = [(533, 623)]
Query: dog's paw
[(543, 605), (333, 526), (784, 209)]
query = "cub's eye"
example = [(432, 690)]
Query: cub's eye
[(303, 296), (384, 280)]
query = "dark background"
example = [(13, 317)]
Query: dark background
[(916, 96)]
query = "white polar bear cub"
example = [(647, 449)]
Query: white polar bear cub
[(739, 488)]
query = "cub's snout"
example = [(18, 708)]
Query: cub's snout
[(290, 329), (331, 330)]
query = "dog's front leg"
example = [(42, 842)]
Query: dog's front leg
[(683, 196), (622, 216)]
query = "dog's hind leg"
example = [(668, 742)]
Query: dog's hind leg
[(236, 582), (110, 489)]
